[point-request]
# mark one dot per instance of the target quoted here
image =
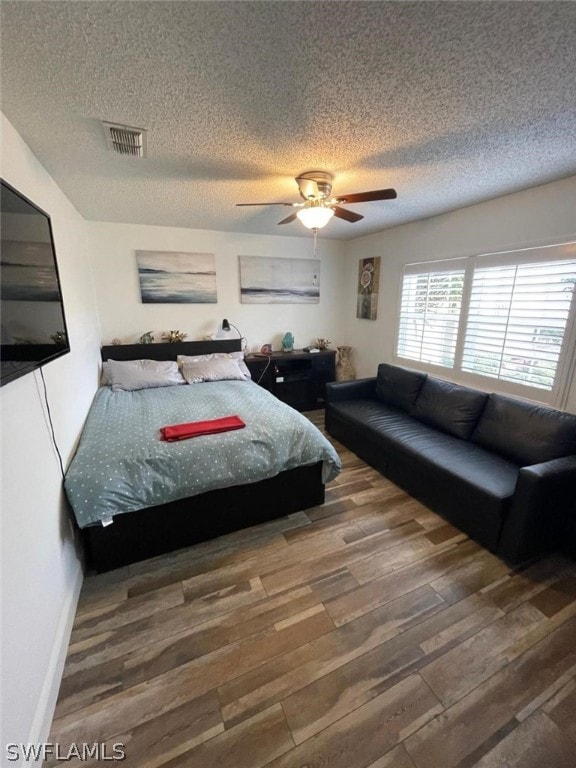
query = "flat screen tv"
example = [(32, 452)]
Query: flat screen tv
[(31, 308)]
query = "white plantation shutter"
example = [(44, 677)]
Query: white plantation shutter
[(430, 314), (507, 316), (516, 321)]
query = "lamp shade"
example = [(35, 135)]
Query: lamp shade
[(224, 330), (315, 217)]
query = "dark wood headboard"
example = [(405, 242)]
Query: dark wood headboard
[(169, 351)]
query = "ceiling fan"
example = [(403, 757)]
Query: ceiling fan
[(318, 207)]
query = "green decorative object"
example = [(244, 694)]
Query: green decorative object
[(288, 342), (147, 338)]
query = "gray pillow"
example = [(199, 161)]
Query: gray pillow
[(105, 379), (129, 375), (237, 356), (219, 369)]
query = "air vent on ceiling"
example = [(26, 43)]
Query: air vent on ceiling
[(125, 140)]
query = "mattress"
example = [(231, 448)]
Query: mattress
[(121, 464)]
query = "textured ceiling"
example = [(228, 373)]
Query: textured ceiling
[(449, 103)]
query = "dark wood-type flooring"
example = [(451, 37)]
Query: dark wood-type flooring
[(366, 633)]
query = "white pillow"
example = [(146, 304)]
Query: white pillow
[(220, 369), (128, 375), (237, 356)]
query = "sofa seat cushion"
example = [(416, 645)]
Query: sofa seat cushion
[(450, 407), (369, 428), (358, 424), (369, 413), (524, 432), (458, 460)]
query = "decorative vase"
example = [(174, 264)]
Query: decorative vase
[(344, 368)]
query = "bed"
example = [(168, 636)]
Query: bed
[(135, 496)]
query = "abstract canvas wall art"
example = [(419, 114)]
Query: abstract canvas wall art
[(172, 277), (268, 280)]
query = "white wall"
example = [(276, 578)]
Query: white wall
[(41, 574), (539, 216), (124, 316)]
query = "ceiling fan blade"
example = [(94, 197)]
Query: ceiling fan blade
[(245, 204), (288, 219), (342, 213), (368, 197)]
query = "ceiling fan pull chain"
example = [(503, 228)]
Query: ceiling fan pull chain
[(315, 241)]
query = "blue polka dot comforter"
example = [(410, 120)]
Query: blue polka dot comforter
[(121, 464)]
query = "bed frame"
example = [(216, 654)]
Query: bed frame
[(156, 530)]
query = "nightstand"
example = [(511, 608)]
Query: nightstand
[(297, 378)]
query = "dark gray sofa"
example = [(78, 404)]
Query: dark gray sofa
[(502, 470)]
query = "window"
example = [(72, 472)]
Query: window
[(516, 321), (430, 314), (503, 316)]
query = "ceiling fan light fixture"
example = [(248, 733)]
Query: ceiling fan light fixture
[(315, 217)]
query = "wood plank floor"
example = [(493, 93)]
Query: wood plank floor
[(366, 633)]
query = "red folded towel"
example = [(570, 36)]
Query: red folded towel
[(196, 428)]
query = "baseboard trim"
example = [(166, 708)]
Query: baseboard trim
[(42, 722)]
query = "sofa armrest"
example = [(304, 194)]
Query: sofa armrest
[(544, 499), (350, 390)]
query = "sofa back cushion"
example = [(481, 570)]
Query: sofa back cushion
[(450, 407), (524, 432), (397, 386)]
